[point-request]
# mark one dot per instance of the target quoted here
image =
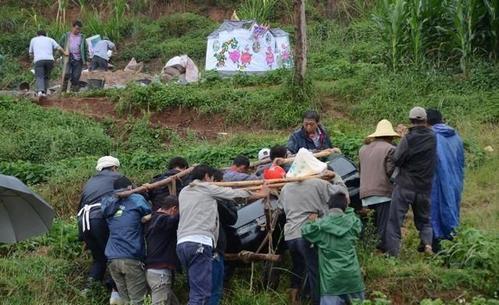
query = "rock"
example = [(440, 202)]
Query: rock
[(488, 149)]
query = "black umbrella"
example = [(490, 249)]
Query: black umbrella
[(22, 212)]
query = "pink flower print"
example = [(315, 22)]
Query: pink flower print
[(245, 57), (269, 57), (285, 53), (234, 55)]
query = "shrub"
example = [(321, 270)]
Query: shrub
[(26, 171), (39, 135), (472, 249)]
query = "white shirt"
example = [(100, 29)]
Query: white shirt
[(42, 48), (196, 238)]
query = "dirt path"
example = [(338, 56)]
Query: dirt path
[(179, 119)]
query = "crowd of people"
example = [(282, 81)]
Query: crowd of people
[(145, 238), (42, 48)]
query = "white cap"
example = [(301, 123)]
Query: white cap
[(107, 161), (263, 154)]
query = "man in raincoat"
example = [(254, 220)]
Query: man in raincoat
[(448, 179), (335, 236)]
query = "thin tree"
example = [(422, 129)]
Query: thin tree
[(301, 42)]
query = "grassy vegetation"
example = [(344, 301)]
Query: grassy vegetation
[(357, 76)]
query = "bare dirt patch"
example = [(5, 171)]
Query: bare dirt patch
[(181, 120)]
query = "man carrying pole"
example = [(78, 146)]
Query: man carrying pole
[(198, 231)]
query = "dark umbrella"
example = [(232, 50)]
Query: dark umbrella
[(22, 212)]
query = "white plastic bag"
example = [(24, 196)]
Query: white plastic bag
[(305, 164)]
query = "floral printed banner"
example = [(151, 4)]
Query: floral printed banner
[(252, 50)]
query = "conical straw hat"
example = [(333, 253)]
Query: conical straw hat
[(384, 129)]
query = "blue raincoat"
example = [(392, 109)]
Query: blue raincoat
[(447, 181)]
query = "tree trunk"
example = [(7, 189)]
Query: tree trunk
[(301, 42)]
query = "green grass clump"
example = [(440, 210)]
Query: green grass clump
[(30, 133), (176, 34), (270, 107)]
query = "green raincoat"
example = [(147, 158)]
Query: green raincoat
[(335, 236)]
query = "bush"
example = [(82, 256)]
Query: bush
[(472, 249), (12, 73), (27, 172), (38, 135)]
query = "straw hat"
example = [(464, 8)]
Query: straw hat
[(384, 129)]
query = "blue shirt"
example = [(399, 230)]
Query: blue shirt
[(101, 47), (300, 139), (126, 231)]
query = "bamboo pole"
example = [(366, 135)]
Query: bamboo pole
[(270, 182), (156, 184), (258, 187), (248, 256), (320, 154)]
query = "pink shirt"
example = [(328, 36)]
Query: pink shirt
[(74, 45)]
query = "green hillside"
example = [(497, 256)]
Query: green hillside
[(367, 60)]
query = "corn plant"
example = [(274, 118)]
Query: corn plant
[(61, 13), (416, 21), (392, 24), (119, 9), (464, 21), (492, 7), (260, 10)]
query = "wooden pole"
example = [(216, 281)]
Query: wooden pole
[(275, 217), (248, 256), (326, 175), (256, 188), (320, 154), (157, 184), (65, 60)]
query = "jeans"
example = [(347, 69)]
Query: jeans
[(421, 208), (72, 73), (128, 274), (160, 281), (42, 74), (98, 63), (217, 279), (305, 257), (342, 299), (197, 260)]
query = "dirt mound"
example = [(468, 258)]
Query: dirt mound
[(118, 78)]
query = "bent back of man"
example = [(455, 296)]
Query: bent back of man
[(125, 249)]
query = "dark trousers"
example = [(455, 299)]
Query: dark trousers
[(381, 216), (96, 240), (72, 73), (197, 260), (98, 63), (305, 260), (217, 280), (401, 200), (42, 74)]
